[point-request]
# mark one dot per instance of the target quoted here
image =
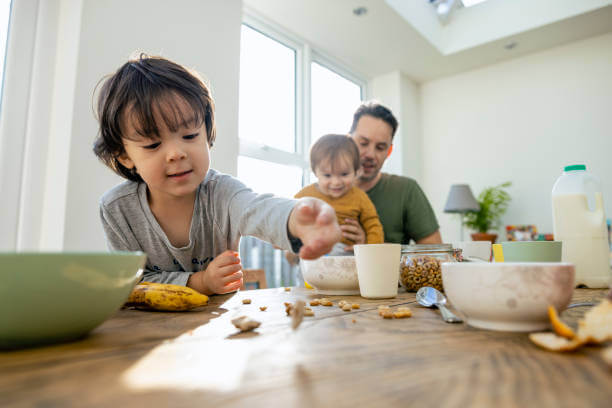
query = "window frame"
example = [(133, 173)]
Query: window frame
[(305, 54)]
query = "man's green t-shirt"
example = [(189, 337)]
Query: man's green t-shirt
[(403, 209)]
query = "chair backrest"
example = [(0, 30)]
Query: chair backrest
[(253, 279)]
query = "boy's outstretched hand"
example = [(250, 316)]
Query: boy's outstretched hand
[(314, 222), (223, 275)]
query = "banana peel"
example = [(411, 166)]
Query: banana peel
[(165, 297)]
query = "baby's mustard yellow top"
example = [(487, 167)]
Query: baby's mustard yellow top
[(354, 204)]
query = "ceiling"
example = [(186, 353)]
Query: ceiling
[(406, 35)]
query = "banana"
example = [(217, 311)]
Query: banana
[(165, 297)]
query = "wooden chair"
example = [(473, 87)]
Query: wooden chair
[(254, 279)]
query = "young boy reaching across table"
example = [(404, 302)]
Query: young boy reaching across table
[(334, 159), (156, 128)]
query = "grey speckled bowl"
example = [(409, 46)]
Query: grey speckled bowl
[(508, 296), (53, 297), (332, 275)]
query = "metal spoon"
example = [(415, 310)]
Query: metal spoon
[(428, 297)]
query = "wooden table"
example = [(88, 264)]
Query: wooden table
[(336, 358)]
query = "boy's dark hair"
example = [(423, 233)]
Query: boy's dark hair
[(330, 147), (140, 87), (376, 110)]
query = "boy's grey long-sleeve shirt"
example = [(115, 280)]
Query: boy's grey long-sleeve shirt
[(224, 210)]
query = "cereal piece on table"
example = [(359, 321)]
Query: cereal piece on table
[(246, 301), (400, 314), (355, 306), (245, 324), (347, 308), (327, 303), (354, 321), (383, 309), (315, 302), (287, 289), (341, 303), (308, 312), (263, 308), (387, 314)]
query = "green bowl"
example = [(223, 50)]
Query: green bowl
[(54, 297)]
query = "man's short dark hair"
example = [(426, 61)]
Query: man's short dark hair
[(140, 87), (376, 110)]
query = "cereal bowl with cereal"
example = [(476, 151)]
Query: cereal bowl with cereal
[(331, 275)]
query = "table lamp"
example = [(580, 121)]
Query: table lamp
[(461, 200)]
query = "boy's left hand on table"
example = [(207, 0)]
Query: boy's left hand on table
[(314, 222)]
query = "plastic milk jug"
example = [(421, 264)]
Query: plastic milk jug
[(580, 223)]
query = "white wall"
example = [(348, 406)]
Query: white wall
[(93, 40), (521, 121), (400, 94)]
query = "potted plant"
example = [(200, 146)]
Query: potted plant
[(493, 204)]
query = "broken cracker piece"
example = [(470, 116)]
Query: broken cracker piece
[(596, 325), (297, 314), (607, 355), (552, 342), (558, 326), (245, 323)]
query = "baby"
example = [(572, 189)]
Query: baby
[(334, 159), (156, 129)]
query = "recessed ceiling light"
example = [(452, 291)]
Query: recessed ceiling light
[(470, 3), (360, 11), (511, 45)]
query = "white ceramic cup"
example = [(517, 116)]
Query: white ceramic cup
[(378, 269)]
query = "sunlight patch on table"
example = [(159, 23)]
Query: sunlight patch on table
[(216, 365)]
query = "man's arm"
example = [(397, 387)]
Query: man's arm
[(434, 238)]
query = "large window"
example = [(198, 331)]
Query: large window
[(5, 12), (290, 95)]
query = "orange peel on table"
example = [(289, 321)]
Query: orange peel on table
[(594, 328)]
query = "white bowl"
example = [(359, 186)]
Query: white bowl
[(331, 275), (508, 296)]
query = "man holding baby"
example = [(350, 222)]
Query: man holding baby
[(402, 207)]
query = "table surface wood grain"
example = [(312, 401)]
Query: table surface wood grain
[(334, 359)]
